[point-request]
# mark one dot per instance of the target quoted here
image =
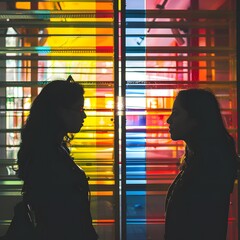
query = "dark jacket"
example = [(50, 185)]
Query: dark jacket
[(197, 202), (58, 192)]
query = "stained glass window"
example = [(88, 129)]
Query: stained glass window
[(132, 57)]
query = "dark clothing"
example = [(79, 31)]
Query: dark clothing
[(197, 202), (58, 192)]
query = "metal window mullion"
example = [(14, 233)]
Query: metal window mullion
[(238, 100), (123, 123), (116, 122), (3, 98)]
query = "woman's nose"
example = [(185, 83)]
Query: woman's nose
[(169, 119)]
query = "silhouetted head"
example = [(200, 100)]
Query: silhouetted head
[(196, 116), (197, 120), (58, 109)]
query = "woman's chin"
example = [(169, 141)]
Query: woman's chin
[(76, 129), (174, 137), (80, 127)]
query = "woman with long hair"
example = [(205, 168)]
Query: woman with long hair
[(197, 202), (56, 188)]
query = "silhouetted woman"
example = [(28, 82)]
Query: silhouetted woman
[(197, 203), (54, 185)]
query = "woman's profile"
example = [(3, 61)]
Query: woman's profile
[(54, 185), (197, 202)]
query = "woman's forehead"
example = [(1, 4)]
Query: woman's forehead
[(177, 103)]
